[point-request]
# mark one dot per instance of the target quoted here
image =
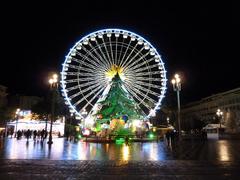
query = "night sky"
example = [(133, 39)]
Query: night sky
[(198, 40)]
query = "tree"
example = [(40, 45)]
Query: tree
[(43, 107), (119, 103)]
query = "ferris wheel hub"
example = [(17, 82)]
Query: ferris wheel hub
[(115, 69)]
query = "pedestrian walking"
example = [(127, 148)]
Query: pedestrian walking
[(168, 137)]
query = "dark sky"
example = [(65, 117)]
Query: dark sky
[(199, 40)]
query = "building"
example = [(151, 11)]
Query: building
[(206, 110)]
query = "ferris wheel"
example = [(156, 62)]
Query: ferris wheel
[(95, 59)]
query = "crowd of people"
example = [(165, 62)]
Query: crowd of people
[(35, 134), (28, 134)]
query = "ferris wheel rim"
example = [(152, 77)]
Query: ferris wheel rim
[(111, 30)]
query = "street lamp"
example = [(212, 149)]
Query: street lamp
[(176, 82), (167, 121), (220, 115), (53, 81), (17, 116)]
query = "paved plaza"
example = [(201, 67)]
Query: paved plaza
[(68, 160), (72, 169)]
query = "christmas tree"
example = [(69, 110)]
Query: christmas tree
[(118, 105)]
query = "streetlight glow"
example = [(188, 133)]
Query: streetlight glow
[(55, 76), (176, 82), (176, 76), (50, 81), (220, 116), (55, 80)]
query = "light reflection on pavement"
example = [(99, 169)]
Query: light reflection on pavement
[(61, 149)]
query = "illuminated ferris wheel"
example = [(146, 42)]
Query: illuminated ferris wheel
[(94, 60)]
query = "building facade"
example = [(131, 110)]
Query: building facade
[(206, 110)]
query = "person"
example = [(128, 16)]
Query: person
[(168, 137), (11, 132), (172, 135), (34, 134), (127, 140), (28, 134), (42, 134)]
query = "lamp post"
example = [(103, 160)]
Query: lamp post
[(53, 81), (167, 121), (17, 116), (176, 82), (220, 115)]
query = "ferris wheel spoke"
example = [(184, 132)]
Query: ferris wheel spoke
[(106, 50), (147, 90), (111, 51), (133, 49), (90, 83), (71, 73), (67, 81), (100, 75), (88, 52), (144, 95), (141, 101), (99, 57), (89, 102), (89, 79), (83, 91), (74, 95), (87, 70), (122, 59), (84, 69), (91, 87), (88, 64), (148, 79), (133, 94), (70, 81), (145, 68), (135, 61), (91, 61), (150, 85), (79, 68), (106, 59), (149, 73), (116, 58), (137, 54), (119, 57), (131, 67), (70, 66), (85, 97), (68, 89), (82, 74)]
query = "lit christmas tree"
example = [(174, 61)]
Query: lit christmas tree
[(118, 107)]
